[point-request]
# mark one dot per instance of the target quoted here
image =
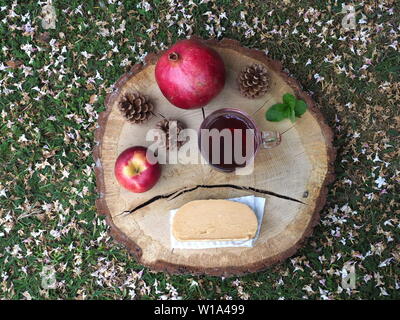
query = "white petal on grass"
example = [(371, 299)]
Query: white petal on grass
[(376, 159), (3, 193), (385, 263), (22, 138), (380, 182)]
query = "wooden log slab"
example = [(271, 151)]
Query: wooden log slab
[(293, 177)]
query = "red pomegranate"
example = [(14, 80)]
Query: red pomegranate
[(190, 74)]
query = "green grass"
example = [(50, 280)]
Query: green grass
[(47, 182)]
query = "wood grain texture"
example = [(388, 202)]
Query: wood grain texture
[(301, 165)]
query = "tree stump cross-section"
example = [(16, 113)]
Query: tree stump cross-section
[(293, 177)]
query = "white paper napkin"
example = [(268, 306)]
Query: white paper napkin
[(256, 203)]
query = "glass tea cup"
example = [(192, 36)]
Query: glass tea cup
[(229, 139)]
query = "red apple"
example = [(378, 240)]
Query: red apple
[(134, 172)]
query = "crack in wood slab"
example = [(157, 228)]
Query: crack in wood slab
[(177, 193), (146, 203), (282, 133), (263, 105)]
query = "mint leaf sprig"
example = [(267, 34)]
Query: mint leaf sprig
[(291, 108)]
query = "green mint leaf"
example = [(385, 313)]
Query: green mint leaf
[(300, 108), (289, 99), (277, 112)]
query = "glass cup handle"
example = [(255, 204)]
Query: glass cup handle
[(270, 139)]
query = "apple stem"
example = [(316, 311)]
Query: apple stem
[(173, 56)]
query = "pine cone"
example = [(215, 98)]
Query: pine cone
[(135, 107), (170, 142), (253, 81)]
